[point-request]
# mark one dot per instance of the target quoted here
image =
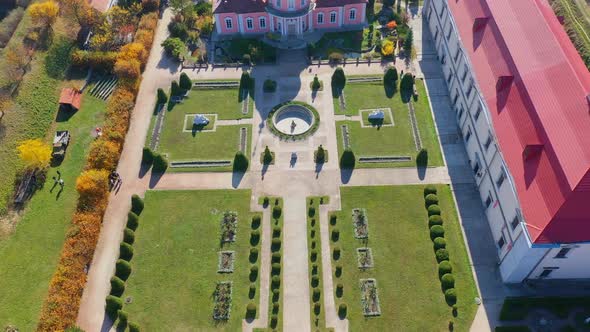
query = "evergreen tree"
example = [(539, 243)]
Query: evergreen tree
[(320, 155), (390, 76), (409, 42), (267, 157), (185, 82), (338, 78)]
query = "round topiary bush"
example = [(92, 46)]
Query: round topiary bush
[(431, 199), (275, 295), (114, 304), (444, 267), (276, 212), (276, 281), (339, 290), (429, 189), (254, 237), (117, 286), (162, 96), (160, 163), (316, 294), (335, 234), (276, 257), (134, 327), (422, 158), (435, 220), (451, 296), (447, 281), (312, 233), (276, 244), (252, 291), (313, 244), (274, 320), (314, 269), (311, 211), (315, 281), (128, 236), (312, 222), (122, 269), (123, 317), (313, 256), (276, 231), (440, 243), (342, 309), (132, 221), (433, 210), (136, 204), (338, 271), (436, 231), (125, 251), (336, 253), (276, 269), (256, 221), (333, 219), (317, 308), (253, 273), (275, 308), (253, 255), (147, 156), (251, 311), (442, 255)]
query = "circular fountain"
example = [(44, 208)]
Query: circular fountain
[(293, 120)]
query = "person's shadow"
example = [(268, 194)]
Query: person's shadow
[(293, 160), (318, 169)]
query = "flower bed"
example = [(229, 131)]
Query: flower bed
[(229, 226), (360, 223), (222, 306), (369, 297), (226, 262), (364, 258)]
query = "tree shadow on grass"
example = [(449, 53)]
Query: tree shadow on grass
[(155, 178), (406, 96), (389, 90)]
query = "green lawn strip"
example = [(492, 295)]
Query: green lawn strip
[(405, 266), (176, 260), (221, 101), (517, 308), (426, 126), (29, 256), (314, 245)]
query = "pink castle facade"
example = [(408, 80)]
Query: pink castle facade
[(288, 18)]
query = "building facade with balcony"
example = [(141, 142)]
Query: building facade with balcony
[(521, 95), (286, 18)]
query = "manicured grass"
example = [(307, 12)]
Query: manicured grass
[(387, 141), (189, 124), (404, 262), (29, 256), (314, 244), (223, 102), (175, 260), (386, 120)]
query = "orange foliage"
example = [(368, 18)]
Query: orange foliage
[(127, 70), (391, 25), (92, 185), (133, 51), (145, 37), (104, 154)]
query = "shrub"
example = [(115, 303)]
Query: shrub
[(276, 212), (175, 47), (122, 269), (125, 251), (178, 30), (407, 83), (311, 211), (132, 220), (435, 220), (147, 156), (451, 296), (276, 244), (275, 295), (276, 231), (335, 234), (390, 77), (442, 255), (316, 294), (317, 308), (276, 269), (265, 201), (240, 162), (422, 158), (123, 317), (113, 305), (256, 222), (436, 231), (313, 256), (160, 164), (315, 281), (440, 243), (333, 219), (338, 271), (316, 85), (275, 308), (312, 233), (253, 255), (335, 57), (433, 210), (269, 86), (447, 281), (429, 189), (348, 159), (275, 281), (253, 273), (342, 310), (274, 320), (444, 267), (254, 237), (336, 253), (134, 327), (431, 199), (245, 82), (185, 82), (276, 257), (117, 286), (252, 291), (338, 78), (251, 310), (128, 236), (175, 89), (314, 269), (267, 159), (339, 290), (312, 222)]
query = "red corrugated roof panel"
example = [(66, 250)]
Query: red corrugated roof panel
[(545, 108)]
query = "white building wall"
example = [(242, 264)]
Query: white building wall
[(518, 265), (573, 265)]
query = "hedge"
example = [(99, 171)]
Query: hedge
[(125, 251), (447, 281), (123, 317), (276, 257), (185, 82), (128, 236), (276, 269), (254, 237), (137, 204), (315, 281), (276, 281), (276, 212), (160, 163), (336, 253), (240, 162), (342, 309), (433, 210), (132, 221), (162, 97), (147, 156), (335, 234), (436, 231), (435, 220), (122, 269), (256, 222), (316, 294), (134, 327), (113, 304), (117, 286)]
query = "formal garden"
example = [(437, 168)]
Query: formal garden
[(224, 109), (385, 126), (389, 273), (195, 263)]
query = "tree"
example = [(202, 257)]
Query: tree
[(80, 12), (320, 155), (182, 7), (175, 47), (267, 157), (245, 81), (390, 76), (347, 160), (150, 5), (185, 82), (34, 153), (17, 58), (175, 89), (408, 42), (316, 85), (338, 78), (133, 51), (407, 83), (162, 96), (241, 162), (128, 69), (44, 13)]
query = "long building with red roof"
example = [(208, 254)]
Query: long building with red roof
[(522, 97)]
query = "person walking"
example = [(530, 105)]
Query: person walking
[(61, 183)]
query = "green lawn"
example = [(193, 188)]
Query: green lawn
[(404, 262), (29, 256), (366, 122), (223, 102), (175, 260), (387, 141)]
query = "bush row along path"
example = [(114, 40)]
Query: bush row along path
[(292, 181)]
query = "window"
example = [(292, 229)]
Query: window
[(333, 17), (468, 135), (515, 222), (501, 178), (501, 242), (262, 22), (563, 253), (352, 15), (320, 18), (547, 271), (228, 23), (488, 142), (278, 3), (291, 4), (249, 23), (489, 201)]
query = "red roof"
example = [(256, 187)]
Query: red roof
[(542, 119), (239, 6), (70, 96)]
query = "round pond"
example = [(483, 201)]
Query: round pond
[(293, 119)]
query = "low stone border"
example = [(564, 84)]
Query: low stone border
[(157, 130), (364, 258), (314, 127), (187, 116), (386, 110), (365, 79), (369, 297), (215, 84), (345, 136), (243, 144), (222, 300), (200, 163), (415, 130), (229, 268), (386, 159)]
